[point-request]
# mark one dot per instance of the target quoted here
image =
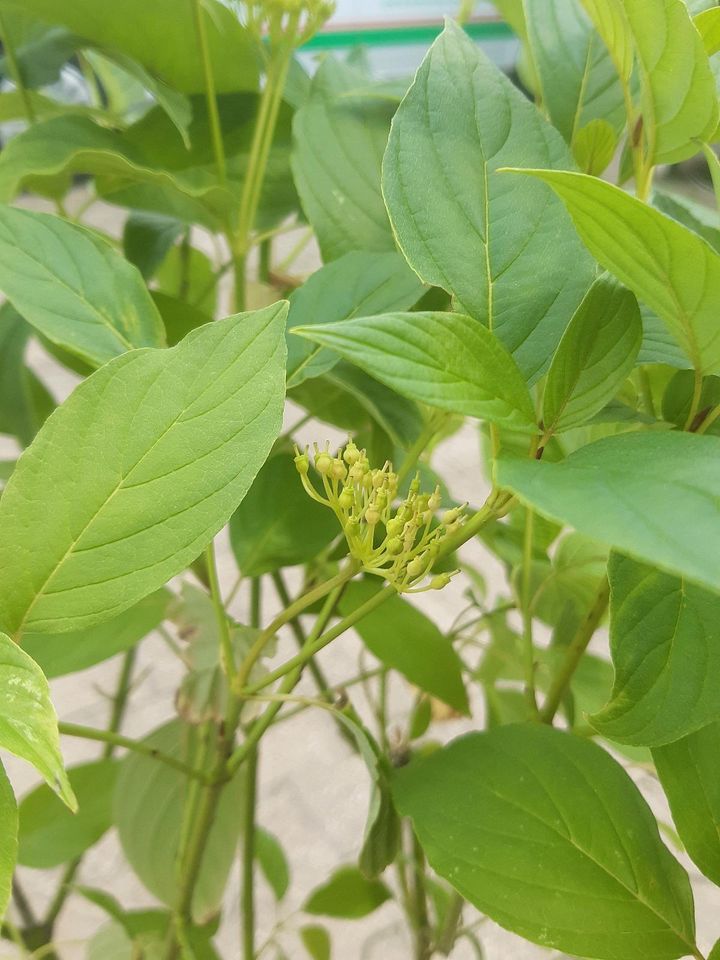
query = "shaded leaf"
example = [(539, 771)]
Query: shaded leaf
[(273, 862), (348, 894)]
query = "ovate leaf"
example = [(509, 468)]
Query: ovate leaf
[(339, 143), (679, 112), (348, 895), (148, 812), (316, 941), (147, 239), (74, 288), (49, 834), (690, 776), (273, 862), (547, 835), (594, 147), (651, 495), (596, 354), (665, 641), (144, 463), (668, 267), (276, 525), (507, 254), (578, 79), (28, 724), (403, 638), (358, 284), (162, 37), (8, 839), (442, 359)]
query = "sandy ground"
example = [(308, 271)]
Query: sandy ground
[(314, 790)]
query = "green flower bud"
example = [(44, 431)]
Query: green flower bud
[(372, 516), (346, 498), (323, 463), (435, 500), (394, 546), (339, 470), (351, 454), (381, 499), (378, 479), (441, 580), (450, 516), (417, 566), (302, 462), (394, 526)]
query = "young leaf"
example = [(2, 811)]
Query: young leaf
[(276, 525), (49, 834), (664, 635), (670, 268), (551, 839), (28, 724), (708, 26), (610, 21), (596, 354), (24, 401), (507, 254), (162, 37), (594, 147), (347, 895), (62, 653), (403, 638), (148, 813), (273, 862), (675, 115), (358, 284), (442, 359), (147, 238), (316, 941), (8, 839), (690, 776), (578, 80), (624, 491), (144, 463), (339, 142), (74, 288)]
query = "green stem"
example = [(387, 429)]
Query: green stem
[(15, 71), (527, 614), (646, 392), (450, 928), (709, 420), (137, 746), (210, 95), (286, 616), (423, 949), (696, 397), (576, 648), (265, 260), (226, 648), (316, 670), (465, 11), (247, 903)]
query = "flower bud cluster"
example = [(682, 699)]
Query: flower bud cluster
[(291, 22), (397, 542)]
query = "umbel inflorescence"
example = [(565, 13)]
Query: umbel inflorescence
[(397, 541)]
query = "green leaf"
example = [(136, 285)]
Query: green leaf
[(276, 525), (506, 253), (347, 895), (651, 495), (404, 639), (699, 217), (49, 834), (690, 776), (679, 113), (148, 812), (670, 268), (665, 641), (578, 80), (442, 359), (144, 463), (28, 724), (161, 37), (708, 26), (596, 354), (610, 21), (273, 862), (357, 284), (178, 316), (551, 839), (594, 147), (316, 941), (339, 143), (74, 288), (62, 653), (66, 145), (8, 839), (24, 401), (147, 239)]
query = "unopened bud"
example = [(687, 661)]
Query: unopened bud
[(450, 516), (372, 516), (417, 566), (394, 546), (441, 580), (346, 498), (339, 470), (394, 526), (302, 462), (351, 454), (323, 463), (435, 500)]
